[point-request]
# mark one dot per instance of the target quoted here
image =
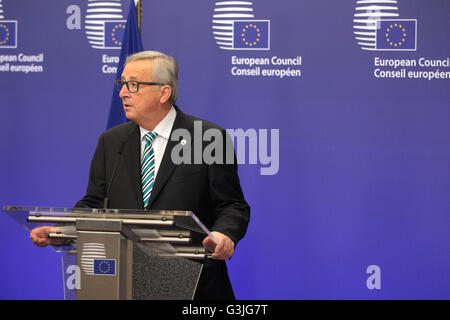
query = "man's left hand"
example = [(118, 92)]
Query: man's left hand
[(223, 249)]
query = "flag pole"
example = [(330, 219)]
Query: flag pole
[(139, 14)]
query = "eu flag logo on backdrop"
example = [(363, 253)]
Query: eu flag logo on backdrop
[(8, 34), (397, 35), (114, 31), (104, 267), (251, 34)]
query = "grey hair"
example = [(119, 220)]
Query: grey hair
[(164, 69)]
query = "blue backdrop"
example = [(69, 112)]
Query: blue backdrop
[(363, 121)]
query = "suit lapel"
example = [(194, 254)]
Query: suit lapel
[(132, 155), (167, 166)]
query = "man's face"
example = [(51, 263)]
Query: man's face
[(143, 105)]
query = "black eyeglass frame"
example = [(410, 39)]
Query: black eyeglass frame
[(120, 83)]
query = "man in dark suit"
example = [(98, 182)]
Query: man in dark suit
[(148, 89)]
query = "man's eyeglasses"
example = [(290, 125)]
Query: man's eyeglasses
[(133, 86)]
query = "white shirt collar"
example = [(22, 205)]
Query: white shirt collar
[(163, 128)]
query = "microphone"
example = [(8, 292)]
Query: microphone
[(119, 153)]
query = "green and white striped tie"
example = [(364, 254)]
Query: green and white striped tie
[(148, 168)]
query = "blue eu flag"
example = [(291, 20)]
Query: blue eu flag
[(105, 266), (397, 35), (131, 43), (251, 34), (8, 34)]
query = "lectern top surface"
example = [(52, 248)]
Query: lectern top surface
[(30, 217)]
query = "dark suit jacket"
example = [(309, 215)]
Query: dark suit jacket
[(212, 191)]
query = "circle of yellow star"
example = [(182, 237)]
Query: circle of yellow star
[(105, 265), (113, 34), (255, 29), (392, 28)]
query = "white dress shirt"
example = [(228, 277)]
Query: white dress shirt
[(162, 130)]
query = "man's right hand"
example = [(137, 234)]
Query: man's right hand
[(39, 236)]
